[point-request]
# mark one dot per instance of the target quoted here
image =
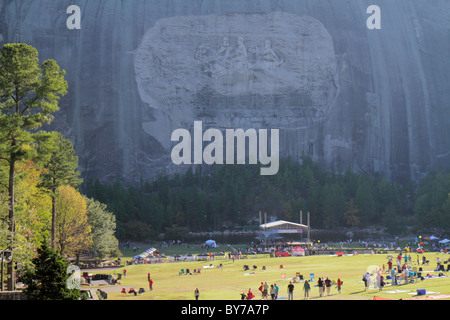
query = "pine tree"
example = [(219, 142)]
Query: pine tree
[(29, 94), (60, 162), (47, 278)]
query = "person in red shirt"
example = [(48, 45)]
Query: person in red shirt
[(250, 295), (390, 265), (339, 285), (150, 284)]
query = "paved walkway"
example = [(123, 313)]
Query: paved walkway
[(105, 286)]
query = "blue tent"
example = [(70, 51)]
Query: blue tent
[(145, 254), (211, 243)]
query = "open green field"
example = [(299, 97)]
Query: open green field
[(228, 281)]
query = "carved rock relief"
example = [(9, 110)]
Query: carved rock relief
[(236, 69)]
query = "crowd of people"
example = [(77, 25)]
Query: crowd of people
[(398, 269)]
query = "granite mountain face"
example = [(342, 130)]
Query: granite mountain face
[(345, 95)]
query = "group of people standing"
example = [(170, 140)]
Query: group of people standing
[(377, 280), (324, 285), (271, 292), (267, 292)]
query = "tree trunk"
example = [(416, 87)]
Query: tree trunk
[(53, 221), (12, 224)]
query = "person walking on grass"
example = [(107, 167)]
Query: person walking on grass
[(290, 291), (394, 277), (150, 284), (366, 279), (381, 285), (320, 285), (339, 285), (272, 292), (276, 290), (328, 285), (390, 265), (306, 288), (265, 291), (196, 293)]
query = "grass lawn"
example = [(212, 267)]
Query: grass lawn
[(227, 282)]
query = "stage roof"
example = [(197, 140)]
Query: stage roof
[(281, 224)]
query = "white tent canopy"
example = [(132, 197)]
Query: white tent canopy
[(281, 226), (145, 254), (444, 241), (211, 243)]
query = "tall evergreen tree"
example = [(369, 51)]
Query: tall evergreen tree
[(333, 205), (29, 94), (47, 278), (364, 200), (60, 163)]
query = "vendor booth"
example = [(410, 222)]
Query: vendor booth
[(298, 251)]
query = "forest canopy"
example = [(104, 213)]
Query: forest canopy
[(224, 197)]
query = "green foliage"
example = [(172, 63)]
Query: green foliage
[(29, 94), (47, 278), (364, 200), (57, 156), (222, 197), (33, 164), (432, 203), (4, 208), (333, 205), (103, 223)]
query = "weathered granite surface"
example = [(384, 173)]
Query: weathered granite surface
[(376, 100)]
